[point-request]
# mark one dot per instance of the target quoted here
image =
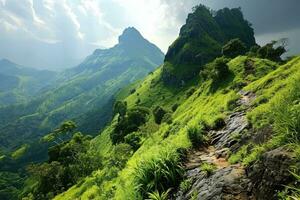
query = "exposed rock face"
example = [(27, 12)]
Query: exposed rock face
[(270, 173), (227, 183)]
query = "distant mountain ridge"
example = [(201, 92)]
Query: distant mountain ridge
[(19, 83), (82, 92), (132, 47)]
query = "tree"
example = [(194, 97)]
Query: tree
[(129, 123), (68, 162), (120, 155), (159, 113), (215, 70), (273, 50), (65, 129), (120, 108), (134, 140), (234, 48)]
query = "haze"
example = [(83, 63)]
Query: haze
[(56, 34)]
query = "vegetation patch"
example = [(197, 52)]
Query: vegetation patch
[(158, 174)]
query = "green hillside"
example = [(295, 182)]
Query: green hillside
[(196, 111), (82, 92), (230, 131)]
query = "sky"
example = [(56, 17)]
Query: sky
[(55, 34)]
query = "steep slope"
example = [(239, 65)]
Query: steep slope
[(198, 112), (18, 84), (232, 132), (83, 91)]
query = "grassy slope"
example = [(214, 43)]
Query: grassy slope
[(202, 105)]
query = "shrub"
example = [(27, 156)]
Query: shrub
[(159, 113), (134, 140), (270, 52), (130, 123), (208, 168), (174, 107), (195, 135), (167, 118), (120, 108), (185, 185), (120, 155), (218, 123), (234, 48), (216, 71), (190, 92), (158, 174)]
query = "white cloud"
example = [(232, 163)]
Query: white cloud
[(77, 27), (2, 2), (35, 18)]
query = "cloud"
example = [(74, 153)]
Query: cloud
[(57, 32)]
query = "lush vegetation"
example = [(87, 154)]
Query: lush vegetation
[(69, 161), (84, 94), (140, 153), (155, 148)]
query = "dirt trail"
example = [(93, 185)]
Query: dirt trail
[(228, 181), (205, 155)]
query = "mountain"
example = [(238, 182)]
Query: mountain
[(19, 83), (232, 132), (201, 39), (83, 92)]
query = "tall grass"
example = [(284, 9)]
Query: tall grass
[(286, 113), (291, 192), (158, 175), (196, 135), (159, 196)]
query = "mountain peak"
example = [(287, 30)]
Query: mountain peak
[(130, 34)]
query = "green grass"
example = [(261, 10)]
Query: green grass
[(201, 108), (185, 185), (158, 196), (158, 174), (208, 168)]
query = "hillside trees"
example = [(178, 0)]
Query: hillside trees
[(68, 162), (234, 48), (66, 129), (272, 51), (129, 123)]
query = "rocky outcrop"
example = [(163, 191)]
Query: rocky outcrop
[(271, 173), (228, 183)]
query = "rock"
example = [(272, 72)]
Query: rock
[(235, 125), (222, 153), (226, 183), (271, 173)]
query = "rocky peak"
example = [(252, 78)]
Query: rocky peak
[(130, 35)]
